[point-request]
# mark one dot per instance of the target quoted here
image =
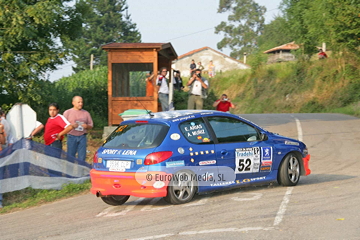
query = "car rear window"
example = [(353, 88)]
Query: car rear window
[(137, 136)]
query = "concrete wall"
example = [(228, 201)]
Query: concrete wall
[(221, 62)]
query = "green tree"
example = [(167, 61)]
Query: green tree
[(315, 21), (275, 33), (245, 24), (105, 21), (31, 33)]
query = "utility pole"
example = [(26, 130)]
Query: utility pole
[(91, 61)]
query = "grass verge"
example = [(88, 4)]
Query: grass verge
[(30, 197)]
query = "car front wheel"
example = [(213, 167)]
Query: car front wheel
[(289, 172), (182, 187), (115, 200)]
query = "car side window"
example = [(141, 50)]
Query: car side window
[(195, 131), (229, 130)]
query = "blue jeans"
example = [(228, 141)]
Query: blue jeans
[(164, 100), (77, 144)]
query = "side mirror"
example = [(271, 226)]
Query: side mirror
[(263, 137)]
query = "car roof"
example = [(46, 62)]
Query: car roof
[(176, 114)]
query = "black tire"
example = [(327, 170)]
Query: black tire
[(289, 171), (115, 200), (182, 187)]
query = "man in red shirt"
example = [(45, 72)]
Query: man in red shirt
[(223, 104), (322, 54), (56, 127)]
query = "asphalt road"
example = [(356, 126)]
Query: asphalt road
[(324, 205)]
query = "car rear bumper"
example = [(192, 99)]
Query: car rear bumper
[(306, 164), (129, 183)]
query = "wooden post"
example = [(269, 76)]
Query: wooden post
[(324, 47), (91, 61)]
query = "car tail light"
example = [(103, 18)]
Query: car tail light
[(157, 157), (95, 159)]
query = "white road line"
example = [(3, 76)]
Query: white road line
[(299, 129), (219, 230), (150, 206), (197, 203), (255, 197), (106, 212), (283, 205)]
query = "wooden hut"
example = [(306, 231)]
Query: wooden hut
[(282, 53), (129, 64)]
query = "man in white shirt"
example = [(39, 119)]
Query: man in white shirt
[(163, 89), (197, 84)]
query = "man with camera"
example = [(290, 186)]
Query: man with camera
[(223, 104), (197, 90)]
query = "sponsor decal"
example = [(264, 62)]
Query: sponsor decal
[(265, 168), (175, 136), (129, 152), (247, 180), (175, 163), (222, 184), (247, 160), (183, 118), (292, 143), (209, 162), (111, 151), (266, 156)]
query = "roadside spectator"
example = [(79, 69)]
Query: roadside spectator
[(2, 137), (82, 122), (2, 145), (197, 88), (38, 127), (178, 84), (9, 137), (211, 69), (192, 66), (149, 84), (200, 66), (163, 89), (322, 54), (56, 127), (223, 104)]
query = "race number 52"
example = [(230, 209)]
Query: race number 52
[(244, 165)]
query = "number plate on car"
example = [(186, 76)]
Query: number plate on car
[(119, 166)]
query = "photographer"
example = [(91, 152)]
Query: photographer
[(223, 104), (178, 84), (197, 84)]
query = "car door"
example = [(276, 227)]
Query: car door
[(239, 147)]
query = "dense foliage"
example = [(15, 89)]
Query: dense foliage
[(105, 21), (31, 33)]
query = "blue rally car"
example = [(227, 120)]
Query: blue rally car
[(177, 154)]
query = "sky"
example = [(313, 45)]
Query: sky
[(186, 24)]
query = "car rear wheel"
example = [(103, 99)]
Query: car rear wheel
[(289, 172), (115, 200), (182, 187)]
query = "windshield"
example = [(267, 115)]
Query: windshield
[(137, 136)]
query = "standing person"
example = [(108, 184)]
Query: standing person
[(200, 66), (192, 66), (211, 69), (9, 137), (163, 89), (223, 104), (82, 122), (178, 84), (56, 127), (322, 54), (2, 145), (197, 84)]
